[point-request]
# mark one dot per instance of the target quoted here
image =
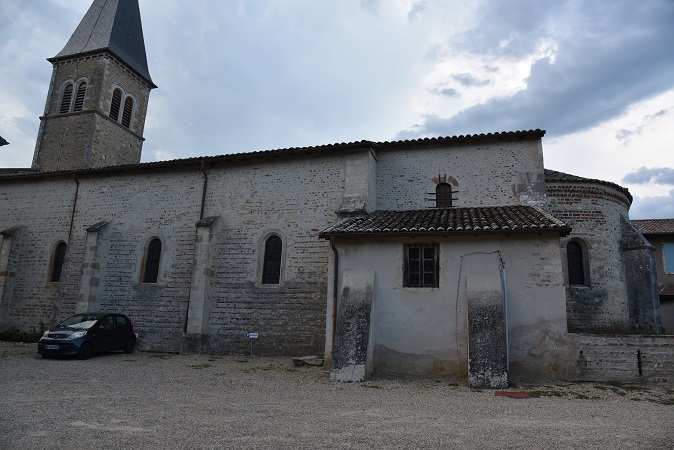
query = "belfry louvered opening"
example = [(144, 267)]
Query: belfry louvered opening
[(66, 99)]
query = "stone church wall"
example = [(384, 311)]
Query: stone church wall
[(293, 200), (594, 212), (42, 210), (483, 174)]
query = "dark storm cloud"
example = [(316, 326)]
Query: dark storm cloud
[(656, 175), (616, 54)]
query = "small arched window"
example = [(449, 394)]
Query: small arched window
[(271, 271), (152, 258), (66, 99), (116, 104), (57, 260), (79, 98), (575, 260), (443, 195), (128, 110)]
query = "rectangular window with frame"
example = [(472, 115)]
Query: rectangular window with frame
[(668, 256), (422, 267)]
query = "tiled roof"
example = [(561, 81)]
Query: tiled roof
[(666, 290), (112, 25), (443, 221), (294, 152), (552, 176), (654, 226)]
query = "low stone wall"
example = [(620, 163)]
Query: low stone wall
[(625, 358)]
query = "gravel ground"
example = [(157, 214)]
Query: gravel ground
[(165, 401)]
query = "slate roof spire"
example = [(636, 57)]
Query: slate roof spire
[(115, 26)]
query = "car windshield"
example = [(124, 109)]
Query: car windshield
[(83, 322)]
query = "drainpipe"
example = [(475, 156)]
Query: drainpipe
[(334, 296), (203, 193), (72, 213), (505, 308)]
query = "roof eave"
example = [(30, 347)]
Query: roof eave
[(561, 231)]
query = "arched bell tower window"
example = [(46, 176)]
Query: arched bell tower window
[(152, 260), (115, 105), (79, 90), (128, 110), (271, 270), (57, 260), (66, 98), (79, 98), (576, 260), (443, 195), (121, 107)]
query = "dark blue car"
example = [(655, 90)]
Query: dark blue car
[(85, 334)]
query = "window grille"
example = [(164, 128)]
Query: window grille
[(422, 265), (443, 195)]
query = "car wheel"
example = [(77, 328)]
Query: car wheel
[(130, 345), (86, 351)]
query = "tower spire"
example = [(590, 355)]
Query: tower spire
[(112, 25), (97, 101)]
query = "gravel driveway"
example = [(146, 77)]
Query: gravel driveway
[(163, 401)]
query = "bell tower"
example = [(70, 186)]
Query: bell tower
[(100, 86)]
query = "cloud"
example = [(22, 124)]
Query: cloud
[(616, 54), (655, 175), (661, 207), (468, 80), (625, 135)]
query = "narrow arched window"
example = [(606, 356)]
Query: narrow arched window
[(116, 104), (443, 195), (152, 258), (128, 109), (66, 99), (576, 263), (271, 271), (57, 262), (79, 98)]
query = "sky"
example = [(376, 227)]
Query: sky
[(240, 75)]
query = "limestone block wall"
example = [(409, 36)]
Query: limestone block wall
[(43, 209), (485, 174), (594, 212), (648, 359), (255, 201)]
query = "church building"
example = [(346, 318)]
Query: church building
[(455, 256)]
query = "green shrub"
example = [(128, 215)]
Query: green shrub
[(19, 336)]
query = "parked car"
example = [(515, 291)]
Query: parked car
[(86, 334)]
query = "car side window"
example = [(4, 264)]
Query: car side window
[(107, 323), (121, 321)]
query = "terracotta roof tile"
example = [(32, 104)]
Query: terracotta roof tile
[(435, 221), (552, 176), (654, 226)]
